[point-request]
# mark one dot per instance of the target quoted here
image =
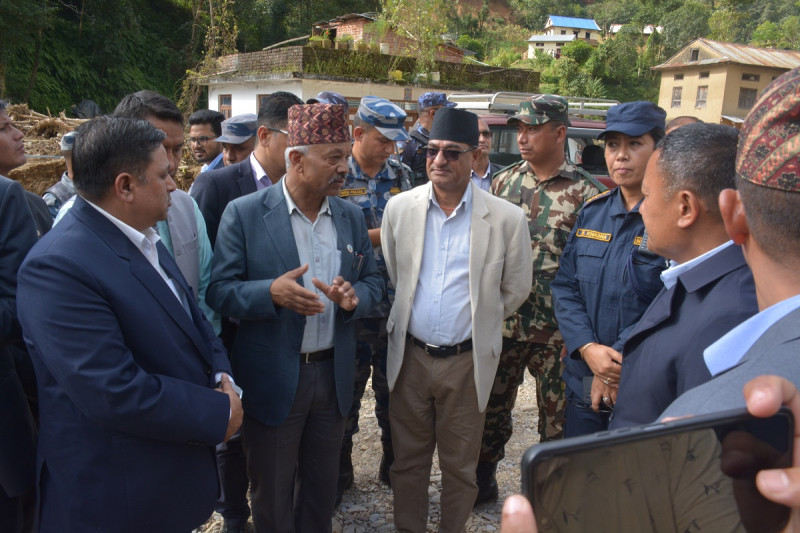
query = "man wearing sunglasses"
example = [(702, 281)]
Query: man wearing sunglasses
[(460, 260), (413, 153), (263, 167)]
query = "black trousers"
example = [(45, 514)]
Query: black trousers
[(293, 468)]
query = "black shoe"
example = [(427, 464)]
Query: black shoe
[(487, 483), (386, 465)]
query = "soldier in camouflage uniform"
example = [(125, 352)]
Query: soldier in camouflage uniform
[(551, 190), (372, 179)]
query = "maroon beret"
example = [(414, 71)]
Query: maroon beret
[(317, 124), (769, 143)]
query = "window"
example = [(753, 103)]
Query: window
[(747, 98), (588, 35), (559, 45), (695, 54), (575, 33), (751, 77), (676, 96), (563, 32), (539, 44), (702, 96), (678, 77), (225, 105), (260, 101), (704, 74)]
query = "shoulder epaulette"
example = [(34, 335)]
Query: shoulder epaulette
[(509, 167), (596, 196)]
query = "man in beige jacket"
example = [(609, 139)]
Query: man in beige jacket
[(461, 262)]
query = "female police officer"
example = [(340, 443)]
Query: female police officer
[(607, 276)]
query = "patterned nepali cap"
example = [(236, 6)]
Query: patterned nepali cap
[(542, 108), (317, 124), (769, 143)]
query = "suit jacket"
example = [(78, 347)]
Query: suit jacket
[(18, 432), (129, 417), (775, 352), (663, 357), (256, 245), (213, 190), (500, 273)]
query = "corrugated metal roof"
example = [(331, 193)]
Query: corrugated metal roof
[(574, 22), (737, 53)]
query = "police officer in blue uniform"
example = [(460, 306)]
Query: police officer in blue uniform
[(607, 276), (372, 179), (413, 153)]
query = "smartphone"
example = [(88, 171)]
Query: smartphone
[(691, 475)]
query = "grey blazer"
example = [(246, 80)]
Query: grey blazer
[(775, 352)]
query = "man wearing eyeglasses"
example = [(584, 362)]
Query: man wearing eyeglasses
[(484, 170), (460, 260), (263, 167), (205, 126), (550, 190)]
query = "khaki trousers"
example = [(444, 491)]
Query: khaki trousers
[(434, 403)]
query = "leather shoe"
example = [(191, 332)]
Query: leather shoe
[(386, 465)]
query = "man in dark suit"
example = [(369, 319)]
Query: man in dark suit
[(484, 170), (294, 353), (708, 289), (214, 189), (126, 363), (18, 434), (761, 216)]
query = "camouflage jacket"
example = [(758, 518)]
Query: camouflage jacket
[(552, 206), (371, 195)]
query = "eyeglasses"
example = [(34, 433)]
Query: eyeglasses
[(278, 131), (201, 140), (451, 155), (486, 133)]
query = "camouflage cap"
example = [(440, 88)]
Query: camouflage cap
[(317, 124), (542, 108), (769, 144), (385, 116)]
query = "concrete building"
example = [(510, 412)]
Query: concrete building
[(719, 82), (560, 30)]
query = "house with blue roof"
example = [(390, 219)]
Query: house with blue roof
[(560, 30)]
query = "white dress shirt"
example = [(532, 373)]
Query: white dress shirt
[(441, 313), (316, 246)]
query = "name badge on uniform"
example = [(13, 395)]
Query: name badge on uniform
[(394, 190), (592, 234), (352, 192), (637, 241)]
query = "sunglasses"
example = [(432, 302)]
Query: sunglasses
[(451, 155)]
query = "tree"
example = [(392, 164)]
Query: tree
[(728, 25), (767, 34), (422, 21), (684, 24)]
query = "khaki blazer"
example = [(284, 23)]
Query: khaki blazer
[(500, 273)]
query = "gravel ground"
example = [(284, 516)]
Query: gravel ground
[(367, 507)]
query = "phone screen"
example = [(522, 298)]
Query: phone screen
[(686, 476)]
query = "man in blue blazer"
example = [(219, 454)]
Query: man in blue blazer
[(708, 289), (295, 265), (126, 363), (213, 190), (18, 431)]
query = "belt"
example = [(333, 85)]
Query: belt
[(316, 357), (441, 351)]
